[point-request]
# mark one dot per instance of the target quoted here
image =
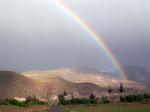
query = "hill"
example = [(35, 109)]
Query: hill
[(82, 75), (46, 84), (13, 84), (76, 75)]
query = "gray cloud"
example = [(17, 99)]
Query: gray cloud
[(34, 34)]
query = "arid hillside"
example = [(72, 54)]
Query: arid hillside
[(13, 84)]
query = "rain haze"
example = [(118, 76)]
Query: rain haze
[(35, 34)]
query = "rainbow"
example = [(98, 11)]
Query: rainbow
[(99, 41)]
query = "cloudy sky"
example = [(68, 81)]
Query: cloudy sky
[(35, 34)]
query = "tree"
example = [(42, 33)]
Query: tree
[(65, 93), (121, 89), (61, 98), (92, 96), (92, 99), (109, 91)]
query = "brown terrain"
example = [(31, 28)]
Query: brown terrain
[(17, 85), (83, 75), (45, 84), (13, 84)]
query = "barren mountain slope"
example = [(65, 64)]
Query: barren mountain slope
[(80, 75), (16, 85)]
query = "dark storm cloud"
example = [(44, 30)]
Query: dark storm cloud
[(34, 34)]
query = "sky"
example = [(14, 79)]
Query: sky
[(35, 34)]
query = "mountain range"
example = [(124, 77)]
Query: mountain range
[(13, 84), (77, 81)]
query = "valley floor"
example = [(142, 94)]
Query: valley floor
[(132, 107), (126, 107)]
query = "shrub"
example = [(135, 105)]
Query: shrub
[(32, 100), (12, 102), (135, 97), (29, 102), (104, 100)]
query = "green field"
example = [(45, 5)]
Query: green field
[(23, 109), (132, 107)]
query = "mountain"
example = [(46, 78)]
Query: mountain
[(79, 75), (138, 74), (77, 81), (58, 84), (82, 75), (13, 84), (76, 75)]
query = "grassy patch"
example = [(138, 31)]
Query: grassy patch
[(66, 109), (126, 107)]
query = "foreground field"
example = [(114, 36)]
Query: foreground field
[(23, 109), (112, 108), (82, 108)]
